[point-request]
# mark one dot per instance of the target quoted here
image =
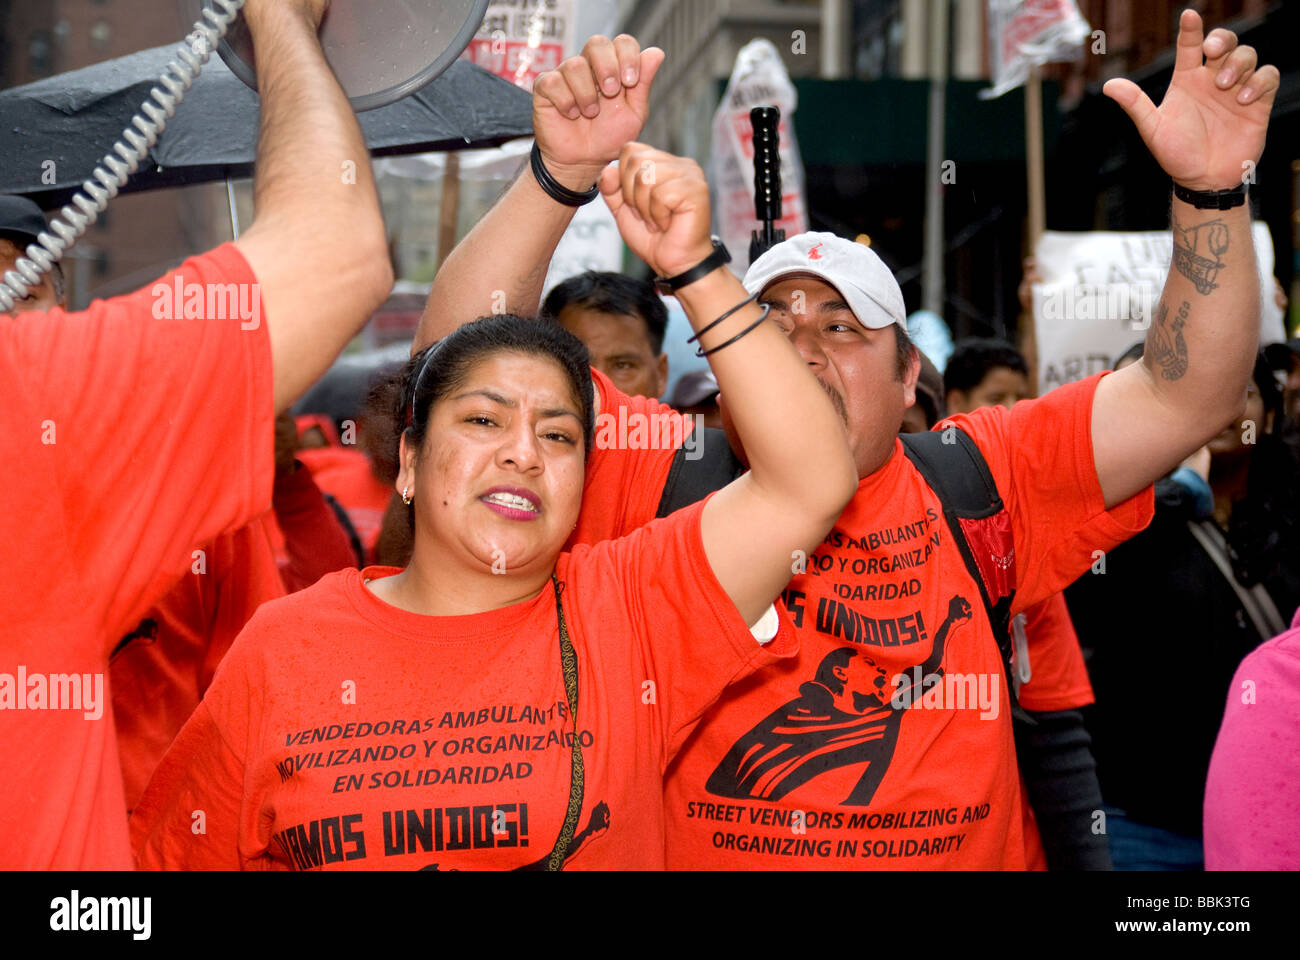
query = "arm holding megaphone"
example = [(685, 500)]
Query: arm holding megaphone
[(583, 113), (317, 245)]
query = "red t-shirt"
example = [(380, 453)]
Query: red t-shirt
[(160, 670), (305, 534), (126, 439), (636, 439), (821, 761), (346, 733), (346, 475), (1058, 676)]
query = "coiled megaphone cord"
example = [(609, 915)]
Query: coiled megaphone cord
[(107, 179)]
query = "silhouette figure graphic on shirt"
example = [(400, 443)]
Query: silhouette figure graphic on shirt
[(844, 715)]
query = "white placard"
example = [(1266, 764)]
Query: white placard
[(1098, 291)]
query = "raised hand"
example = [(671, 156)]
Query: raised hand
[(1210, 126), (661, 205), (592, 104), (313, 10)]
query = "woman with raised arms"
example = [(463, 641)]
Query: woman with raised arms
[(500, 703)]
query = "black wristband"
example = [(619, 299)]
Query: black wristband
[(767, 308), (719, 257), (745, 302), (556, 190), (1212, 199)]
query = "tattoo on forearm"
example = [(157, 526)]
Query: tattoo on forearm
[(1198, 252), (1165, 344)]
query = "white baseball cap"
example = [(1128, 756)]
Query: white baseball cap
[(853, 269)]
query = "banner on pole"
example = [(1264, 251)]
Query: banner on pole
[(758, 79), (1029, 33), (518, 41), (1099, 291)]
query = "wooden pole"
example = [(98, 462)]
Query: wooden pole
[(1034, 157), (449, 208), (1037, 201)]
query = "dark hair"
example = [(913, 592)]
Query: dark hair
[(1132, 353), (904, 348), (437, 370), (20, 243), (972, 359), (615, 294)]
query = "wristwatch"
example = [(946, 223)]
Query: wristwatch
[(1212, 199), (719, 257)]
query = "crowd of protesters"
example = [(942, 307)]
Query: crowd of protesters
[(840, 608)]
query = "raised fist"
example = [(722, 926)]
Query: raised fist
[(592, 104), (661, 204)]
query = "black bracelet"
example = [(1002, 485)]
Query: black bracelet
[(1212, 199), (742, 303), (668, 286), (767, 308), (556, 190)]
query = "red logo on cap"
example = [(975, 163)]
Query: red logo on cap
[(814, 253)]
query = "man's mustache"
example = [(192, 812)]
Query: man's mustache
[(837, 402)]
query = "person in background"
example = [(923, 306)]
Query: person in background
[(622, 322), (21, 224), (989, 372), (85, 393), (1180, 605), (337, 448), (1251, 813), (696, 395), (985, 372), (929, 408)]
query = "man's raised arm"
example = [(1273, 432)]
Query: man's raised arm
[(583, 113), (1200, 349), (317, 245)]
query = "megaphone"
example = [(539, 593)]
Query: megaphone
[(380, 50)]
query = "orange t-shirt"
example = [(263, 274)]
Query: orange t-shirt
[(635, 441), (345, 733), (823, 761), (1058, 677), (345, 474), (161, 669), (126, 439)]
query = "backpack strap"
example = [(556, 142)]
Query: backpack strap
[(690, 480), (953, 467)]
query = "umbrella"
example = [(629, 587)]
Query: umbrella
[(74, 119)]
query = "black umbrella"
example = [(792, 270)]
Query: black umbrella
[(75, 118)]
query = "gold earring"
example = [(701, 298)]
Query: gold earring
[(406, 498)]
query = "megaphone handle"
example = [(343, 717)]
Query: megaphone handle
[(133, 149)]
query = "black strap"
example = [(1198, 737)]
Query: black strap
[(569, 664), (718, 258), (690, 481), (952, 465), (556, 190), (354, 539), (1212, 199)]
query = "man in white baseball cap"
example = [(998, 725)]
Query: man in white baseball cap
[(842, 308)]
